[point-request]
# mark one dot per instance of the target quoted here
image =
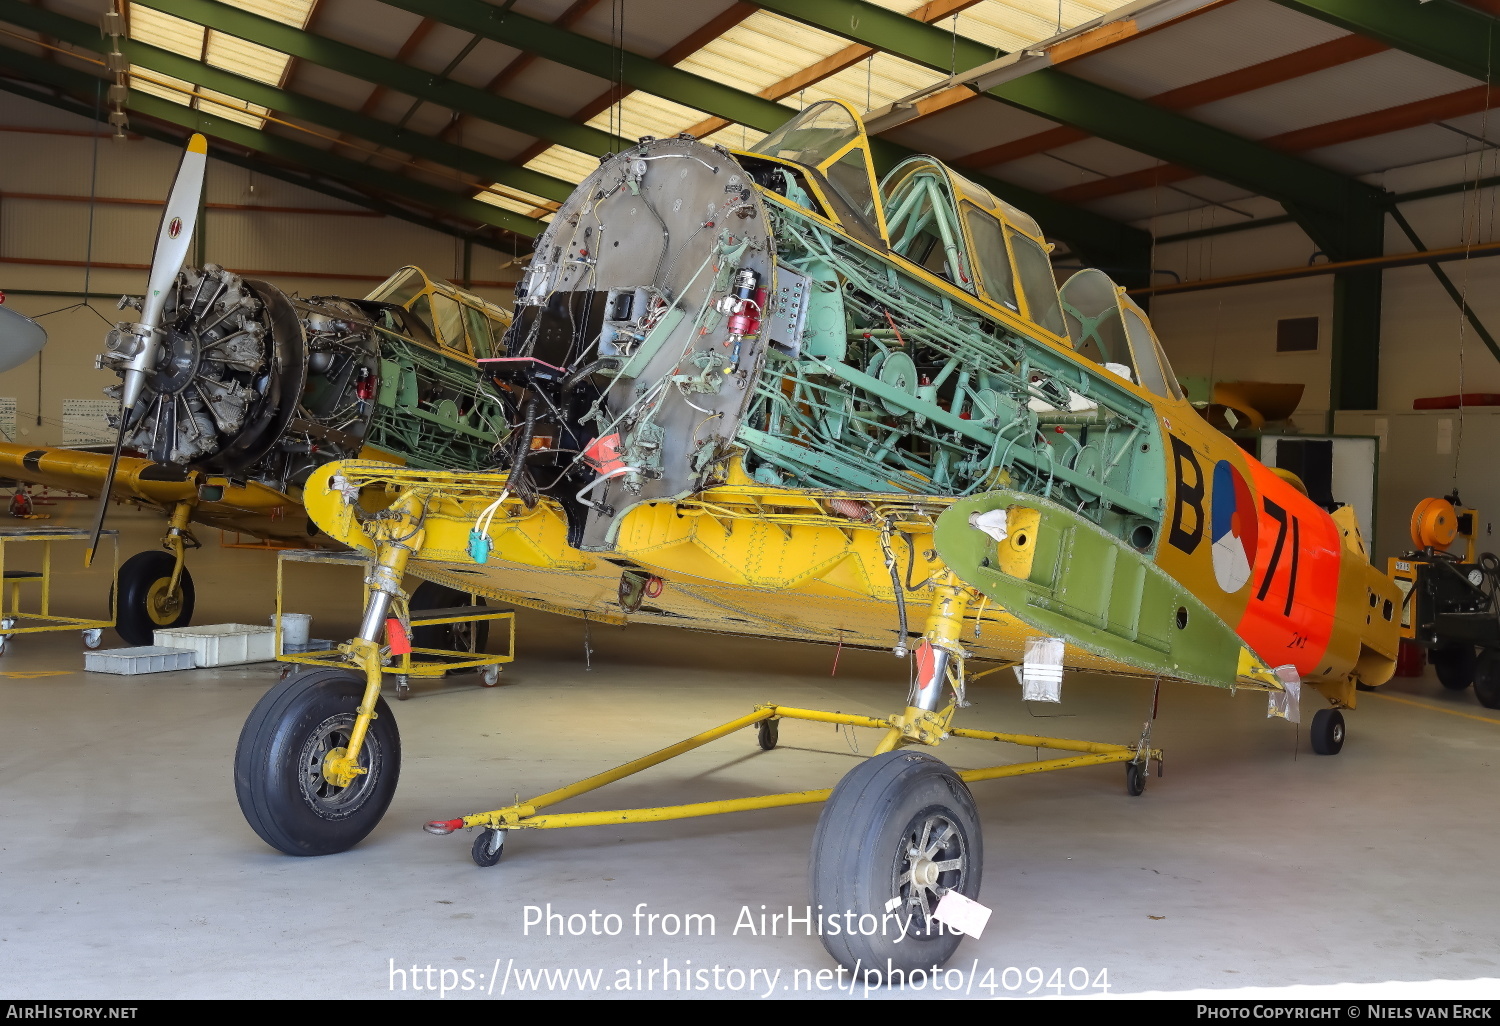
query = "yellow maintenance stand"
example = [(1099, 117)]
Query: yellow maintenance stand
[(334, 715)]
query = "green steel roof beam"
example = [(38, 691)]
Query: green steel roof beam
[(261, 167), (1099, 233), (340, 119), (601, 59), (442, 200), (1102, 112), (403, 78), (1451, 34)]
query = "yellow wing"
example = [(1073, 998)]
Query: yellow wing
[(251, 508)]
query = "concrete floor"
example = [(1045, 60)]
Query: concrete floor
[(126, 869)]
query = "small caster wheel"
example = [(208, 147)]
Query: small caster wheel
[(487, 847), (489, 676), (93, 637), (1135, 779), (1328, 731), (403, 689), (767, 732)]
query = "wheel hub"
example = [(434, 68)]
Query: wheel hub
[(933, 861), (162, 603), (331, 782)]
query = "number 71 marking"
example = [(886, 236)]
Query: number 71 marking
[(1283, 519)]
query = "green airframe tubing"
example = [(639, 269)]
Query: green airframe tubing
[(1088, 586)]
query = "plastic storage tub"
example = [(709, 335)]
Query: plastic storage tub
[(147, 659), (222, 644)]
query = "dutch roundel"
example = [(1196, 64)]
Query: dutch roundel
[(1233, 528)]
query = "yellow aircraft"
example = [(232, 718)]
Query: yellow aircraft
[(761, 392), (253, 390)]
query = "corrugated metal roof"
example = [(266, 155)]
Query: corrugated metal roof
[(1385, 80), (1220, 40), (1418, 145)]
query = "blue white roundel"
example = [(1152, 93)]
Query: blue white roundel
[(1232, 528)]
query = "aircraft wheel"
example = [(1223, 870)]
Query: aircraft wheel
[(1135, 779), (767, 733), (278, 765), (1328, 731), (898, 832), (1455, 665), (452, 636), (147, 603), (1487, 679), (488, 847)]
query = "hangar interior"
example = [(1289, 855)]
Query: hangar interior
[(1298, 192)]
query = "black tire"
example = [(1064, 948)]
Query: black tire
[(767, 733), (142, 578), (1455, 665), (1487, 679), (487, 848), (453, 636), (1135, 779), (882, 808), (277, 765), (1328, 732)]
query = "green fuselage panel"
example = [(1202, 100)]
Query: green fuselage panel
[(1075, 580)]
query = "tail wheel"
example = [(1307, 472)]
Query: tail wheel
[(899, 831), (1328, 732), (1487, 679), (278, 765), (147, 602), (460, 637)]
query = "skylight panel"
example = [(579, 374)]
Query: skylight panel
[(221, 105), (246, 59), (220, 50), (561, 162)]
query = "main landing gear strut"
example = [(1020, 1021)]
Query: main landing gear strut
[(155, 588), (319, 757)]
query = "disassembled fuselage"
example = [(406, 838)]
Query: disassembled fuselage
[(748, 385)]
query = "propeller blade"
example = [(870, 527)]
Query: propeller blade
[(109, 483), (172, 241), (21, 338)]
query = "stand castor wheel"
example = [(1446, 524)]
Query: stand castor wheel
[(488, 847), (403, 688), (1328, 732), (1135, 778), (767, 733)]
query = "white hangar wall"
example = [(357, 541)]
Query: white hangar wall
[(41, 240)]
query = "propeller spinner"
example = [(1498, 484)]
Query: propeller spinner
[(21, 338)]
